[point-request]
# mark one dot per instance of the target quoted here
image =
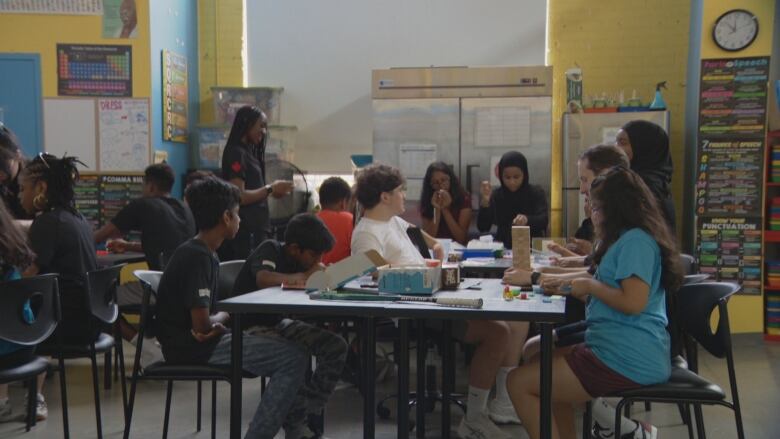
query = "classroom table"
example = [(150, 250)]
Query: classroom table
[(108, 259), (276, 300)]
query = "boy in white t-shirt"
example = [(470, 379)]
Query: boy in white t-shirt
[(380, 190)]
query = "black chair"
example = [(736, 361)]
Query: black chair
[(44, 299), (101, 303), (694, 306), (228, 272), (161, 371), (688, 263)]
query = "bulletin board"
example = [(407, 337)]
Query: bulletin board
[(70, 128)]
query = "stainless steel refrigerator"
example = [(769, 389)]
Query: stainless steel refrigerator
[(581, 131), (466, 117)]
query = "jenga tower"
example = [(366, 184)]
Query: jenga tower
[(521, 247)]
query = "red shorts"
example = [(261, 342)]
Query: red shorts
[(596, 377)]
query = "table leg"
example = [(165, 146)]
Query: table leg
[(403, 379), (369, 378), (422, 349), (447, 364), (236, 352), (546, 381)]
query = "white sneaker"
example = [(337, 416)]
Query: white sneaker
[(643, 430), (151, 352), (41, 411), (503, 412), (480, 428)]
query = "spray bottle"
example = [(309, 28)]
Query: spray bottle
[(658, 103)]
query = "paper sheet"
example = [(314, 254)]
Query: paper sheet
[(414, 158), (503, 127)]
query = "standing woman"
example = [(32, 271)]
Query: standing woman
[(445, 207), (647, 147), (515, 203), (11, 163), (61, 239), (243, 164)]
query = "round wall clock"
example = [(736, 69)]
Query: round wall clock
[(735, 30)]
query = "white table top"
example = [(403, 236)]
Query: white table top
[(276, 300)]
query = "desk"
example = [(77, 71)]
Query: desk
[(276, 300), (109, 259)]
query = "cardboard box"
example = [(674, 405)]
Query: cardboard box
[(338, 274), (422, 281)]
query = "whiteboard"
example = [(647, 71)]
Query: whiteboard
[(124, 134), (69, 128)]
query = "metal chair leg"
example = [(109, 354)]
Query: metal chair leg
[(167, 409), (64, 398), (197, 422), (700, 433), (32, 401), (213, 409), (587, 420), (121, 364), (130, 404), (107, 370), (96, 388)]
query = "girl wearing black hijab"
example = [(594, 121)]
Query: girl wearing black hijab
[(243, 164), (516, 202), (647, 147)]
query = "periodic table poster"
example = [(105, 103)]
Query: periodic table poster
[(732, 124), (94, 70)]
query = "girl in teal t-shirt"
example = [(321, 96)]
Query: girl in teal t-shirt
[(626, 344)]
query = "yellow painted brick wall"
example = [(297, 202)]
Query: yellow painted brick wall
[(620, 45), (221, 47)]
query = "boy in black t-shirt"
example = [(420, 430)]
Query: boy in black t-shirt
[(189, 330), (164, 222), (273, 264)]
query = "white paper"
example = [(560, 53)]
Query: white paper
[(414, 158), (124, 134), (609, 135), (503, 127)]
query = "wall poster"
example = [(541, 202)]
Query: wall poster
[(729, 182), (174, 98), (94, 70)]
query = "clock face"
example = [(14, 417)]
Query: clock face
[(735, 30)]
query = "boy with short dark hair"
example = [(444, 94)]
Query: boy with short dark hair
[(335, 195), (190, 332), (273, 264), (164, 222)]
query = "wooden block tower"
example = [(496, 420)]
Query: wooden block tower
[(521, 247)]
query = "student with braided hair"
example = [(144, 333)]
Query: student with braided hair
[(61, 239)]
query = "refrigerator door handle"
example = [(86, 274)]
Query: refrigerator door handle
[(468, 176)]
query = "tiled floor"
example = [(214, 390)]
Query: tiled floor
[(758, 375)]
